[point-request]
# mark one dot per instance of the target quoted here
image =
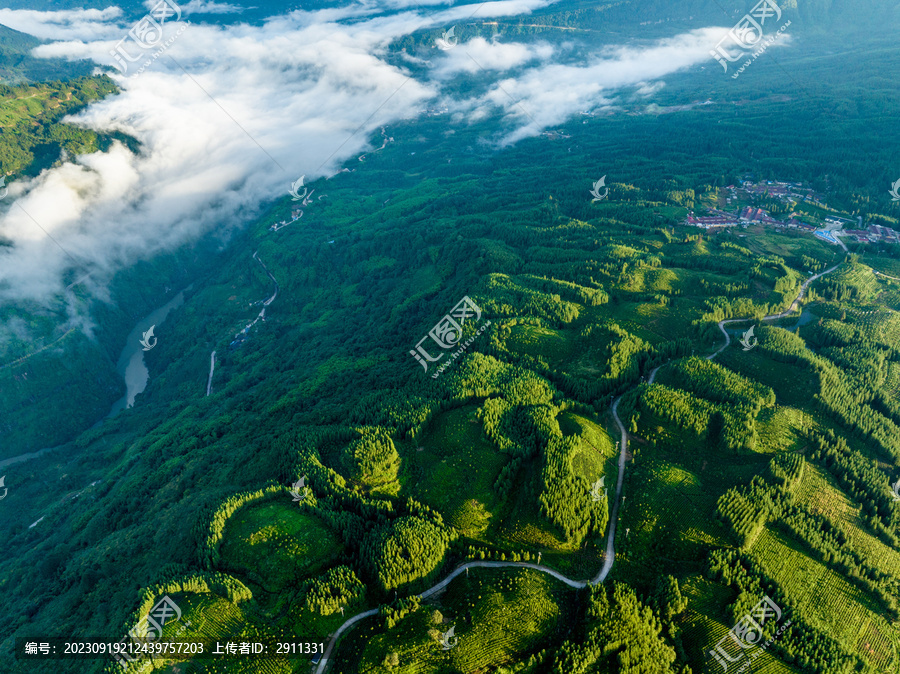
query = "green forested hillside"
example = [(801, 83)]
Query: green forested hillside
[(328, 475), (18, 65), (33, 137)]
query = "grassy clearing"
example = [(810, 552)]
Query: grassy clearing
[(598, 450), (778, 429), (794, 385), (454, 469), (522, 525), (654, 322), (274, 544), (554, 346), (654, 537), (766, 241)]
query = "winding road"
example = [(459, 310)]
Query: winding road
[(262, 315), (609, 557), (787, 312), (275, 294)]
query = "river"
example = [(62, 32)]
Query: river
[(131, 366)]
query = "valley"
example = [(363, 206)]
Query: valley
[(611, 473)]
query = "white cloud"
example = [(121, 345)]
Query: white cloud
[(296, 87), (649, 88), (479, 54), (210, 7), (261, 106), (550, 93), (75, 24)]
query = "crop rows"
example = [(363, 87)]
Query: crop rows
[(826, 599), (819, 495), (704, 632), (878, 325)]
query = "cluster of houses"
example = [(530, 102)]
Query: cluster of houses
[(746, 216), (774, 189), (874, 234), (295, 215), (555, 135), (787, 192)]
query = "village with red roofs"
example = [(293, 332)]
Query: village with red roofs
[(786, 196)]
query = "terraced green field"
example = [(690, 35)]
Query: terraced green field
[(682, 530), (859, 277), (704, 627), (820, 493), (275, 543), (210, 618), (876, 323), (827, 600)]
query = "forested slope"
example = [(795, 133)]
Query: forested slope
[(292, 497)]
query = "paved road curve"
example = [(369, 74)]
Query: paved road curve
[(611, 531), (791, 309)]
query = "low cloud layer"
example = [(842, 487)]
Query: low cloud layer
[(549, 93), (210, 7), (239, 112)]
